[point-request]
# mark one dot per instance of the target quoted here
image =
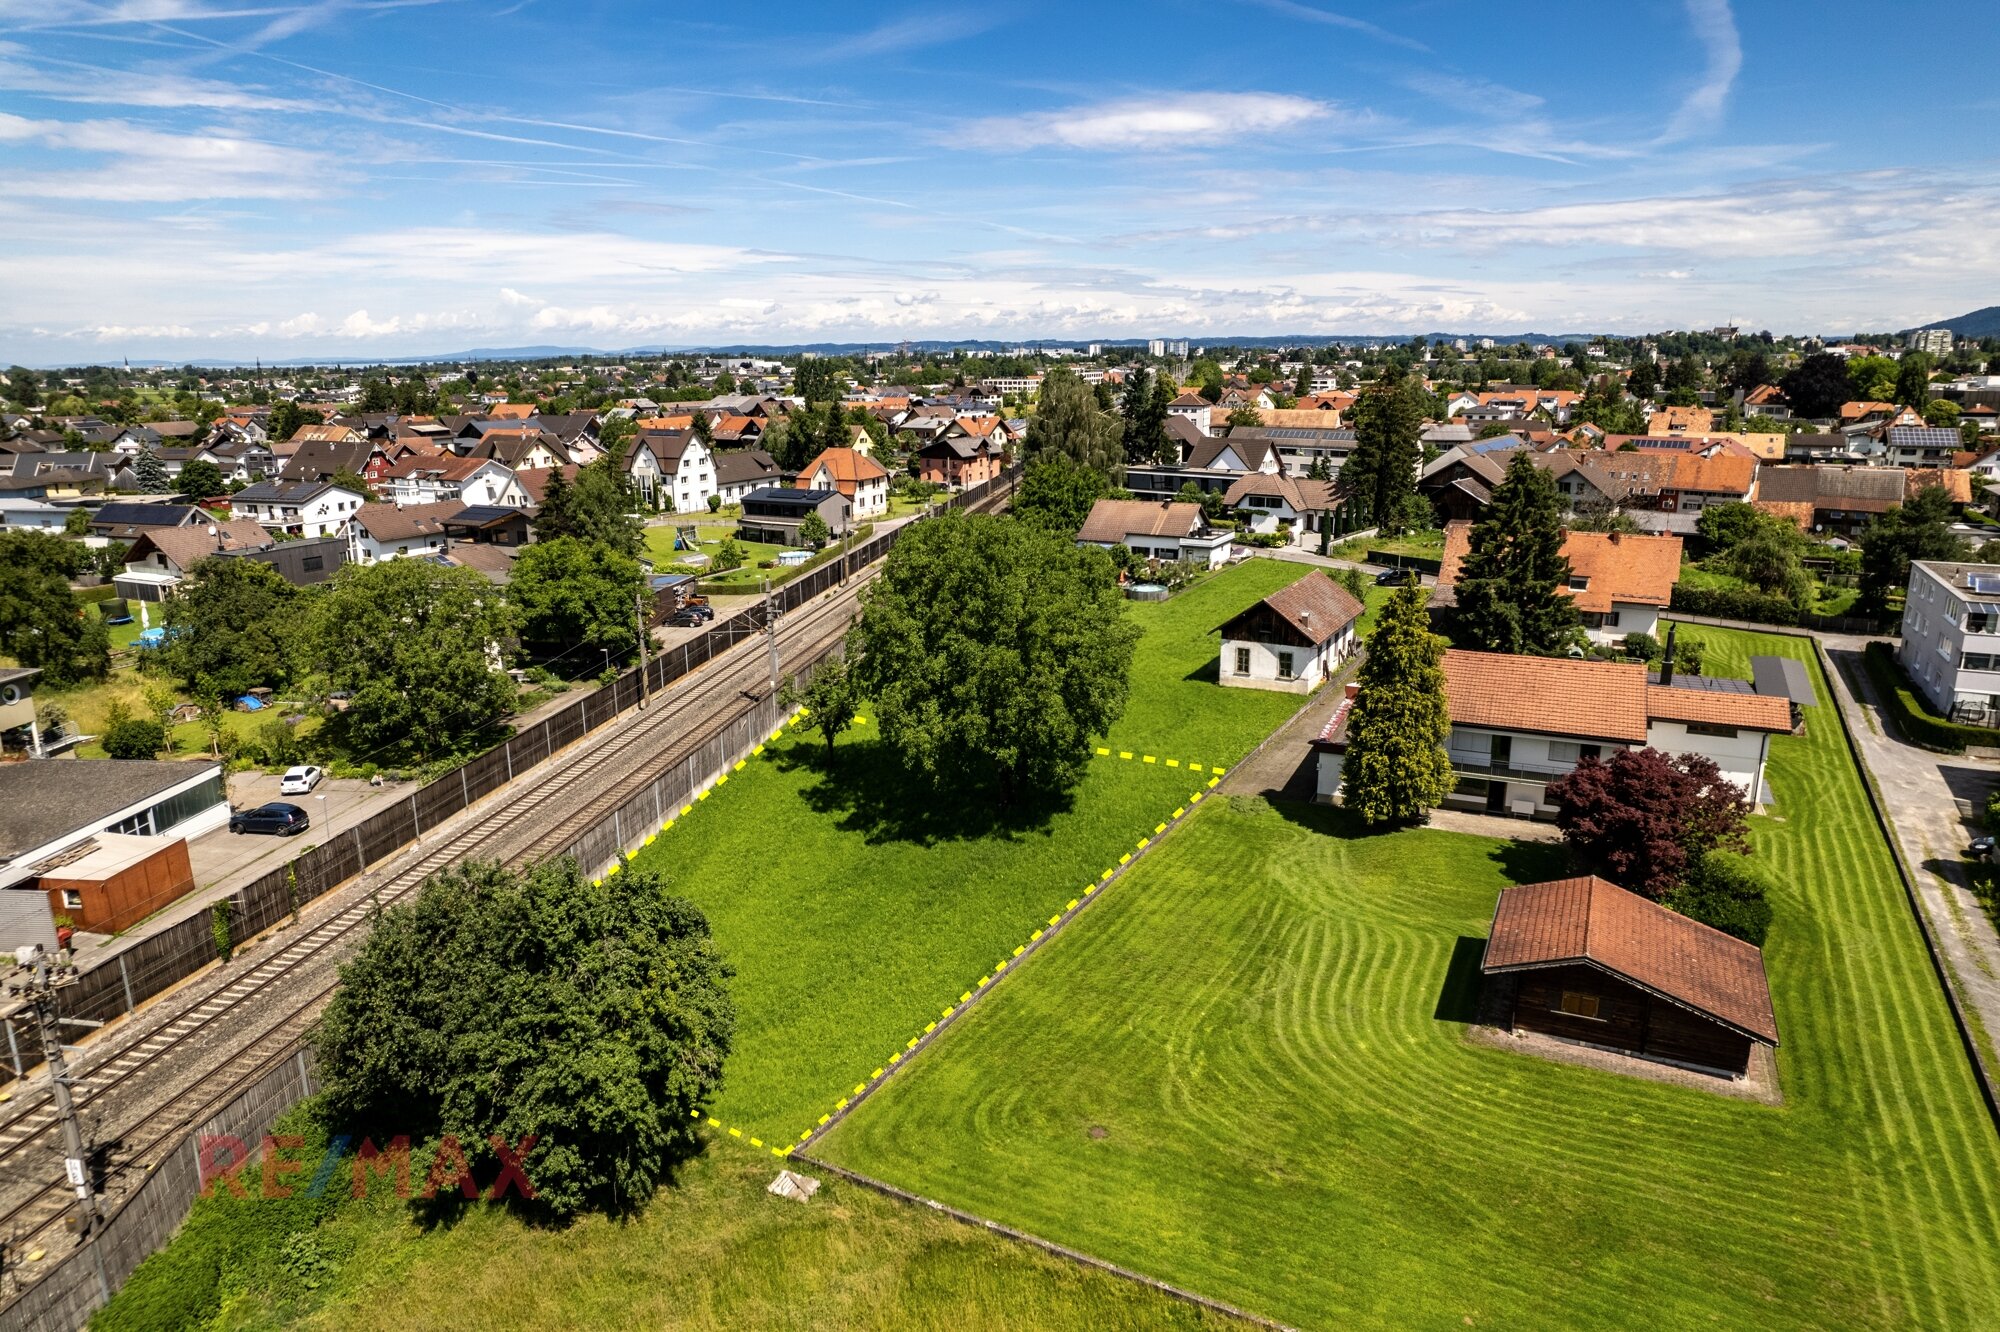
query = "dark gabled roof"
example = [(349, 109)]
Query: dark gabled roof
[(122, 513), (485, 515), (733, 467), (1590, 920), (1925, 437), (1253, 452), (392, 522), (281, 492), (1316, 606)]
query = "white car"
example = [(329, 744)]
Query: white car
[(299, 780)]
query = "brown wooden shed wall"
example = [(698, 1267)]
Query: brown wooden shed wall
[(1629, 1019), (130, 895)]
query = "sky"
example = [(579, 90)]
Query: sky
[(346, 179)]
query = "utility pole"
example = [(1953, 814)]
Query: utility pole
[(38, 981), (645, 635), (771, 636)]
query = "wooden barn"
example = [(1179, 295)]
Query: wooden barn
[(1592, 963)]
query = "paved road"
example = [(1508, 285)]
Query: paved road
[(1922, 792)]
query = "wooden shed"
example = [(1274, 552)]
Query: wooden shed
[(113, 881), (1594, 964)]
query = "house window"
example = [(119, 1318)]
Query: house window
[(1578, 582), (72, 899), (1577, 1004), (1976, 622), (1564, 751), (312, 563), (1976, 661), (1243, 661), (1284, 665), (1611, 619)]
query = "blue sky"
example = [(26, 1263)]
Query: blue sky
[(353, 178)]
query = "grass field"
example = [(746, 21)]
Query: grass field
[(1246, 1067), (714, 1252)]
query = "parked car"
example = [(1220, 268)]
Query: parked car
[(1396, 577), (701, 608), (688, 618), (1981, 849), (300, 780), (275, 817)]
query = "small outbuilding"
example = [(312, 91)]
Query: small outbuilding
[(1294, 639), (114, 881), (1590, 963)]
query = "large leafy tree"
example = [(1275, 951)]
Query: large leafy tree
[(1919, 530), (590, 1017), (574, 593), (287, 417), (1378, 482), (1641, 817), (817, 380), (1397, 769), (1056, 495), (1512, 584), (831, 698), (414, 643), (201, 478), (1068, 423), (1144, 407), (995, 653), (1913, 381), (42, 623), (1817, 386), (233, 626), (596, 507)]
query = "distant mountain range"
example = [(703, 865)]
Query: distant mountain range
[(1984, 323)]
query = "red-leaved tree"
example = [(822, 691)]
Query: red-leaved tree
[(1642, 818)]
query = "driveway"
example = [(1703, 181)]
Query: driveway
[(1929, 799), (334, 805)]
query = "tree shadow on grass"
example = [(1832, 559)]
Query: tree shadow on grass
[(869, 790), (1533, 862), (1458, 1000)]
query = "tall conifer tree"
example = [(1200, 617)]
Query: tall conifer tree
[(1397, 769), (1511, 587)]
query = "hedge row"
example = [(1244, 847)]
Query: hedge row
[(1913, 715), (1725, 603)]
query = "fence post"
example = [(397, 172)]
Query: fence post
[(507, 751), (126, 977), (13, 1048), (416, 821), (464, 788)]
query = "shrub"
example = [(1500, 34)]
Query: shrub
[(1912, 714), (1728, 603), (134, 738), (1724, 891), (1645, 647), (715, 503)]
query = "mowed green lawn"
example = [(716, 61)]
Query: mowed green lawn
[(1212, 725), (1245, 1071), (856, 906)]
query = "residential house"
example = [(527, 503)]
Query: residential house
[(534, 481), (489, 525), (1300, 447), (1620, 582), (1269, 502), (393, 531), (431, 479), (1585, 962), (1680, 421), (776, 513), (1519, 723), (1293, 640), (301, 508), (673, 468), (159, 557), (1922, 446), (738, 472), (961, 461), (1951, 638), (854, 474), (1842, 501), (324, 459), (125, 520), (1193, 408), (332, 432), (519, 449), (241, 460), (1156, 530)]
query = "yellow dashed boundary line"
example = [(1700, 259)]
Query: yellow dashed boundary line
[(966, 998)]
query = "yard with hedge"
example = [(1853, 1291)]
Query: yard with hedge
[(1249, 1066)]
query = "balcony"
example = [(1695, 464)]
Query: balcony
[(1467, 765)]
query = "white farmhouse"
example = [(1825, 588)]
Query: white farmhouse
[(1293, 640)]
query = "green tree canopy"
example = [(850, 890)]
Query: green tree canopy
[(595, 507), (414, 643), (1918, 530), (817, 380), (1913, 381), (813, 531), (1817, 386), (593, 1018), (287, 417), (995, 654), (1512, 585), (574, 593), (152, 474), (1397, 769), (831, 698), (201, 478), (1069, 424), (1056, 494), (1378, 482), (1144, 407), (42, 623), (233, 625)]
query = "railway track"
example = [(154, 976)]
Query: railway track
[(269, 1006)]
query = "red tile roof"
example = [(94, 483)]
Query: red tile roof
[(1615, 566), (1316, 606), (1592, 700), (1114, 520), (1593, 921)]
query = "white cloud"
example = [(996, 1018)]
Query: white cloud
[(152, 165), (1173, 120), (1701, 111)]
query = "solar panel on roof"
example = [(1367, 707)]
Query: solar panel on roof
[(1714, 684), (1984, 584)]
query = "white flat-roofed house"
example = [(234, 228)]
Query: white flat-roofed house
[(1951, 638)]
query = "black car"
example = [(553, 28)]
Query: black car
[(688, 618), (276, 817), (1395, 577)]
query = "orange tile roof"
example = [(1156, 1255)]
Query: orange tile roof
[(1854, 411), (977, 426), (846, 467), (665, 422), (1710, 707), (1594, 700), (510, 411), (1957, 482), (1593, 920), (1616, 567)]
